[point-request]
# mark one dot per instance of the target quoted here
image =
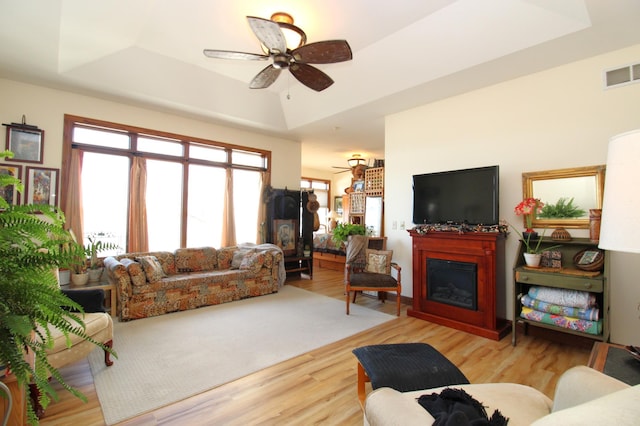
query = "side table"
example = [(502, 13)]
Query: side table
[(613, 360), (104, 285), (299, 264)]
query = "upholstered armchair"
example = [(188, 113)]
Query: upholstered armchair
[(370, 270), (99, 326)]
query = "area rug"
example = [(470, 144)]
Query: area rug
[(168, 358)]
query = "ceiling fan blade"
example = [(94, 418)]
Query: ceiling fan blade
[(341, 171), (229, 54), (323, 52), (265, 78), (310, 76), (269, 34)]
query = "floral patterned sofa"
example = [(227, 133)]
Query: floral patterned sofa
[(155, 283)]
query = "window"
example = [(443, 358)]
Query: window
[(184, 194), (322, 189)]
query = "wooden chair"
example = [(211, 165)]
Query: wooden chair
[(370, 270)]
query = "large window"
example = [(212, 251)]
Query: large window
[(322, 189), (178, 188)]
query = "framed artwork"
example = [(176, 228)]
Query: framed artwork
[(9, 192), (41, 185), (26, 143), (358, 186), (337, 204), (285, 235)]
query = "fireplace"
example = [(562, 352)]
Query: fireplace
[(456, 280), (453, 283)]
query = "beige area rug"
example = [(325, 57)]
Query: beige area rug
[(168, 358)]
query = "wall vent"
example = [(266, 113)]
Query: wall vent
[(622, 76)]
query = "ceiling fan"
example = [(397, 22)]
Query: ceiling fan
[(296, 59)]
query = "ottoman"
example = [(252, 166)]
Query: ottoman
[(404, 367)]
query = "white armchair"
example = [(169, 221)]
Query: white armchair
[(583, 396)]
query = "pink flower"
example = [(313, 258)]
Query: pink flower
[(527, 208)]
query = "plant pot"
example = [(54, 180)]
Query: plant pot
[(64, 276), (95, 274), (532, 259), (80, 279)]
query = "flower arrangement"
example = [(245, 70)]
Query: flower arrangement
[(528, 208)]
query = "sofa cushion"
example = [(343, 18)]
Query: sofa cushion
[(379, 261), (225, 256), (196, 259), (253, 262), (138, 277), (521, 404), (152, 268)]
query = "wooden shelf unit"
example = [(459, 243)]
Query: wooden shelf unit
[(567, 277)]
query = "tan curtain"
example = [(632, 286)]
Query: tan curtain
[(262, 209), (228, 216), (137, 228), (73, 205)]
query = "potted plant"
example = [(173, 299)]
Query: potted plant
[(533, 253), (95, 246), (342, 231), (32, 238)]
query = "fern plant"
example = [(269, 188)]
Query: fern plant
[(342, 231), (31, 241), (563, 208)]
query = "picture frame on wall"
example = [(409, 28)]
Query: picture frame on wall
[(26, 143), (337, 204), (285, 235), (41, 185), (9, 193)]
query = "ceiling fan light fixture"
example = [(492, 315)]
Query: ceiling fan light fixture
[(295, 36), (355, 160)]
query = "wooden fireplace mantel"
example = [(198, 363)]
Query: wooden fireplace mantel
[(486, 250)]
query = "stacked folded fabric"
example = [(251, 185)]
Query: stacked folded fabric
[(572, 309)]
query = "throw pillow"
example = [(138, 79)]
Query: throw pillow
[(379, 261), (152, 268), (253, 261), (136, 273)]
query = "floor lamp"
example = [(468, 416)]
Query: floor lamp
[(620, 226)]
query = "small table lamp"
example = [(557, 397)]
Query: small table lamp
[(620, 226)]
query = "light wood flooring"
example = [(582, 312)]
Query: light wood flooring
[(319, 387)]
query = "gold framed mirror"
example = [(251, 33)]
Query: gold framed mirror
[(568, 195)]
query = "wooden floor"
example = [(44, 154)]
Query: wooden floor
[(320, 387)]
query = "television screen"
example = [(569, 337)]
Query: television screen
[(458, 196)]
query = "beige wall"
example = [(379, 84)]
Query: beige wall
[(45, 108), (554, 119)]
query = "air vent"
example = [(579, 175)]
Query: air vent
[(622, 76)]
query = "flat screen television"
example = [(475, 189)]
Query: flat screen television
[(468, 196)]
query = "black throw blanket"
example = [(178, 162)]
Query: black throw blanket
[(455, 407)]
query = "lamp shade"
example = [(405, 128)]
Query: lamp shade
[(620, 226)]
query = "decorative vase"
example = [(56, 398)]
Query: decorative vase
[(95, 274), (532, 259), (595, 215), (64, 276), (80, 279)]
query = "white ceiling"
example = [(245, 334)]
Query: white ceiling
[(149, 52)]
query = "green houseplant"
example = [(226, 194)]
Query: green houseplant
[(563, 208), (33, 244), (95, 246), (342, 231)]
